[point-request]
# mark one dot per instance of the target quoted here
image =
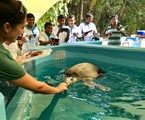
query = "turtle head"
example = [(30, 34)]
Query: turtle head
[(71, 73), (101, 72), (68, 72)]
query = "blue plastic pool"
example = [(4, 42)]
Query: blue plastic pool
[(125, 71)]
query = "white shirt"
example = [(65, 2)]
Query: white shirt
[(12, 48), (27, 32), (43, 36), (32, 31), (76, 30), (62, 35), (84, 27)]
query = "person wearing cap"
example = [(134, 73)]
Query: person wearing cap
[(114, 31), (88, 28)]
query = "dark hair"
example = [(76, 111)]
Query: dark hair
[(88, 15), (114, 16), (47, 24), (30, 15), (72, 16), (61, 17), (12, 11)]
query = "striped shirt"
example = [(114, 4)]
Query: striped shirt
[(114, 39)]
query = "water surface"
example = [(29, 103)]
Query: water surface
[(125, 100)]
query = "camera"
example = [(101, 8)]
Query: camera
[(55, 39), (87, 32), (64, 29)]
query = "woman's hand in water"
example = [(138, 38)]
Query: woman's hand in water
[(62, 86)]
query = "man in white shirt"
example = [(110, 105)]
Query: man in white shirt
[(88, 28), (75, 32), (31, 30)]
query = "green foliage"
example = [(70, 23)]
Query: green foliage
[(52, 13), (132, 17)]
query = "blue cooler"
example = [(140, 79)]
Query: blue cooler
[(141, 32)]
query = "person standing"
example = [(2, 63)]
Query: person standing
[(88, 28), (45, 37), (75, 33), (62, 30), (31, 33), (114, 31), (12, 23), (31, 30)]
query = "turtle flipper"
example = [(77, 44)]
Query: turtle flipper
[(89, 83), (101, 87), (93, 84)]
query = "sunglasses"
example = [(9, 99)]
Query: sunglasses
[(19, 11)]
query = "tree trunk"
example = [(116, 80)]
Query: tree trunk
[(81, 11), (92, 4), (120, 11)]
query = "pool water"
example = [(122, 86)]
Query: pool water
[(125, 100)]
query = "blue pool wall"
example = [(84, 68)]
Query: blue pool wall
[(132, 57), (2, 108)]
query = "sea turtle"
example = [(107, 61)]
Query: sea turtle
[(86, 72)]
